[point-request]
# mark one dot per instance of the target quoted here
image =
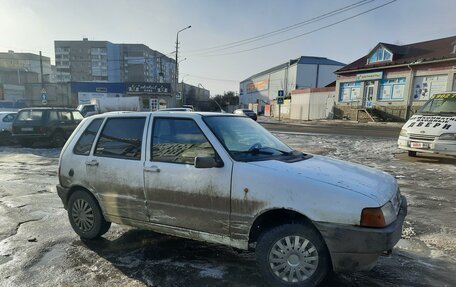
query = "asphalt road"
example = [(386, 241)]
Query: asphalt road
[(376, 130)]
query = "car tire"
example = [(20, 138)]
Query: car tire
[(293, 255), (58, 139), (85, 216), (412, 153)]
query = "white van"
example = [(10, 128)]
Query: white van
[(433, 128)]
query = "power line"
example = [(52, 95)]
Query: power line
[(300, 35), (281, 30)]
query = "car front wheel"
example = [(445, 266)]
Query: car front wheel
[(293, 255), (85, 216)]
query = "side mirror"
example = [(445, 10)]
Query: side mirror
[(207, 162)]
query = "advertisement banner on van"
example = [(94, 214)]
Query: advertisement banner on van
[(431, 122)]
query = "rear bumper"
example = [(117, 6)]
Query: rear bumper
[(354, 248), (63, 194)]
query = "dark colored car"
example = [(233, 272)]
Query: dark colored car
[(47, 125), (246, 112)]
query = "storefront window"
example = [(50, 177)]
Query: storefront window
[(350, 91), (392, 89)]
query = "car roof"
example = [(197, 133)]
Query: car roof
[(162, 113), (46, 108), (8, 112)]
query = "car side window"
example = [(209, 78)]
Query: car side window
[(65, 116), (53, 116), (9, 118), (179, 141), (85, 142), (121, 138)]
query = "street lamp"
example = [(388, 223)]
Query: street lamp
[(177, 52)]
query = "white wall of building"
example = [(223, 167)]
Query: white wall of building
[(312, 105)]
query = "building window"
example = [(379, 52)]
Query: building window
[(391, 89), (350, 91), (380, 55)]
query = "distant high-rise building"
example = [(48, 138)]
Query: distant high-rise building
[(103, 61)]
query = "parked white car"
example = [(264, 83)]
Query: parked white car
[(433, 128), (6, 122), (225, 179)]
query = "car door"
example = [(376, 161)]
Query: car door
[(178, 193), (66, 122), (116, 167)]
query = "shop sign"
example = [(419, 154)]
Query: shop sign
[(149, 88), (257, 86), (369, 76)]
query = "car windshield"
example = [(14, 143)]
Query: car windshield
[(246, 140), (441, 105)]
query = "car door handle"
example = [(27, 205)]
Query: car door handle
[(92, 163), (151, 169)]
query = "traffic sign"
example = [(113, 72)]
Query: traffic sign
[(44, 95), (280, 100), (280, 93), (178, 96)]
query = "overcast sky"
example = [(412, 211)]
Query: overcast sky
[(30, 26)]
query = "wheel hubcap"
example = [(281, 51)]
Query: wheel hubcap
[(293, 259), (82, 214)]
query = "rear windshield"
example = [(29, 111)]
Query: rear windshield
[(30, 115)]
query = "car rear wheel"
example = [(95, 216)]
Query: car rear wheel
[(85, 216), (412, 153), (58, 139), (293, 255)]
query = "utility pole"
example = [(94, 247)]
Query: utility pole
[(41, 70), (177, 53)]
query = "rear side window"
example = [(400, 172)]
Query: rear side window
[(77, 116), (85, 142), (53, 116), (30, 115), (121, 138), (65, 116)]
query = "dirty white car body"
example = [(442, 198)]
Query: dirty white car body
[(240, 202), (6, 123)]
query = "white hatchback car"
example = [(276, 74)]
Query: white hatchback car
[(225, 179), (6, 122)]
